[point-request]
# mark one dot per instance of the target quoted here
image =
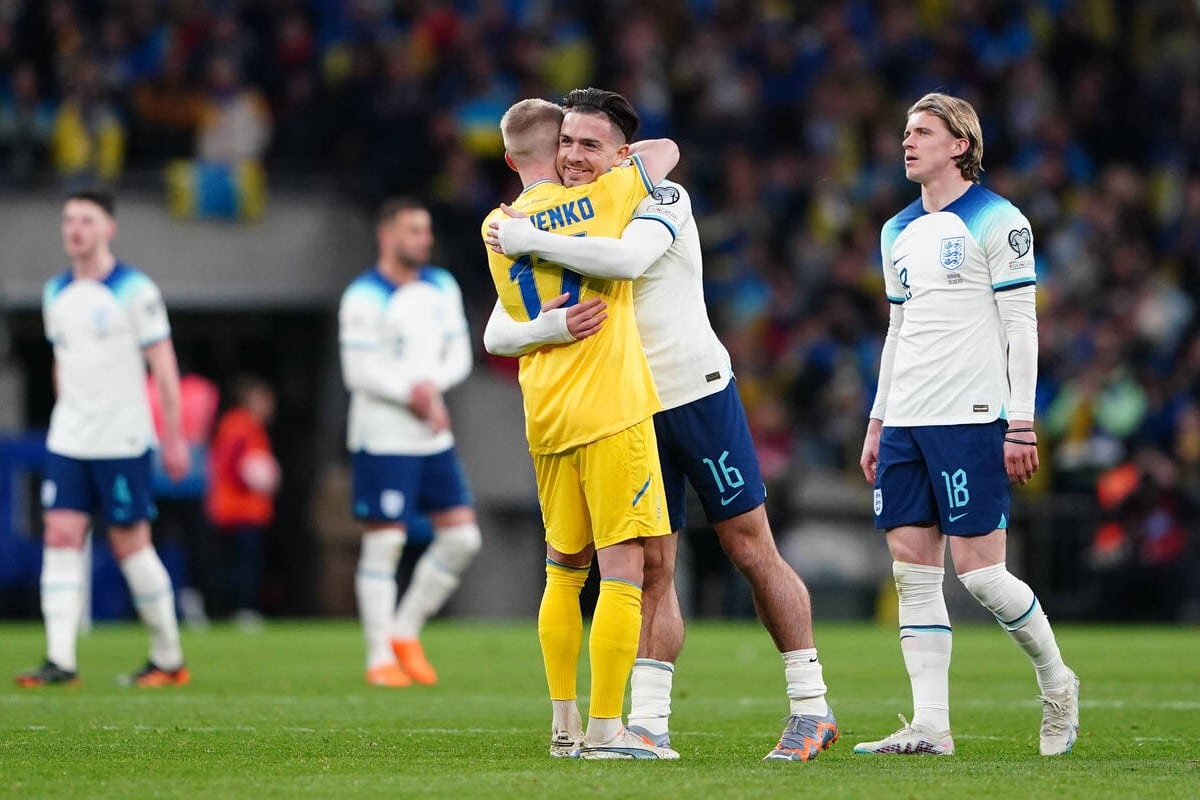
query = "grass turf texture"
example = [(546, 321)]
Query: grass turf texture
[(286, 714)]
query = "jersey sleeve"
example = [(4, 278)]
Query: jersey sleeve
[(49, 292), (1008, 241), (669, 204), (147, 311), (366, 365), (896, 293), (456, 361)]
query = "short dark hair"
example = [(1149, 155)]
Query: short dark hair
[(101, 197), (601, 101), (392, 206)]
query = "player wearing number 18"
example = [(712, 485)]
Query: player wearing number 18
[(952, 422)]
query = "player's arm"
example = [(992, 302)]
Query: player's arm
[(1009, 245), (457, 358), (641, 244), (366, 367), (164, 368), (658, 157), (505, 336), (887, 360)]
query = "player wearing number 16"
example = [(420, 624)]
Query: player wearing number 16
[(588, 406), (952, 423)]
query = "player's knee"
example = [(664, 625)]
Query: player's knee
[(997, 590), (658, 560), (64, 529), (917, 584), (749, 547), (456, 547), (381, 549)]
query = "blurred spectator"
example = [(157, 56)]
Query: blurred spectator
[(88, 139), (1138, 554), (26, 123), (235, 123), (1095, 413), (166, 111), (241, 498)]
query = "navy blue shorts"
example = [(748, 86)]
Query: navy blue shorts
[(949, 475), (401, 488), (707, 442), (119, 487)]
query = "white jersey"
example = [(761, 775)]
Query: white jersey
[(686, 358), (945, 268), (99, 330), (392, 337)]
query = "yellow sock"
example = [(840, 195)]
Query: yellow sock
[(560, 627), (613, 645)]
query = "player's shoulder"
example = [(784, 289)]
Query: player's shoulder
[(439, 277), (126, 280), (55, 285), (904, 218), (369, 286), (982, 209)]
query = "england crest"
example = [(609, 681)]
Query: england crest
[(878, 502), (953, 252)]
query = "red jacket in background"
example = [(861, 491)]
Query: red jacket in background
[(231, 502)]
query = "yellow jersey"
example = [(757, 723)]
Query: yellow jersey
[(583, 391)]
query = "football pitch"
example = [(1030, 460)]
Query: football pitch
[(285, 713)]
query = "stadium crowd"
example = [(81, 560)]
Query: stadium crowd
[(789, 119)]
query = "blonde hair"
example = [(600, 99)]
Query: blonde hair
[(530, 129), (963, 122)]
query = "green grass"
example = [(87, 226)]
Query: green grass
[(285, 714)]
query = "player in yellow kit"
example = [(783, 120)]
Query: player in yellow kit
[(588, 406)]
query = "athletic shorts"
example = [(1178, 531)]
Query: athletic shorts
[(603, 493), (949, 475), (118, 487), (400, 488), (707, 443)]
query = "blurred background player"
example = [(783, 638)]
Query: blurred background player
[(703, 437), (952, 423), (404, 342), (241, 501), (106, 321), (588, 408)]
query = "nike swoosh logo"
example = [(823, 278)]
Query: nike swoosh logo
[(957, 517), (901, 258), (727, 500)]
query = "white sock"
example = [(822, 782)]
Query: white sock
[(566, 717), (375, 589), (62, 603), (805, 683), (925, 641), (650, 687), (154, 600), (1018, 611), (435, 578), (602, 729)]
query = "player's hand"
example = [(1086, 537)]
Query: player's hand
[(503, 234), (586, 318), (176, 457), (1020, 459), (869, 459), (426, 402)]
